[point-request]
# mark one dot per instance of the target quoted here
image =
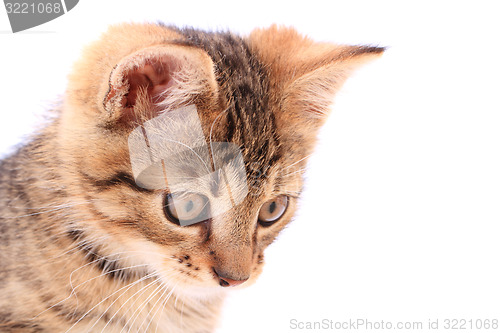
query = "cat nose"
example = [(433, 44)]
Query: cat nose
[(224, 281)]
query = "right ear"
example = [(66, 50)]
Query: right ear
[(135, 71), (154, 80)]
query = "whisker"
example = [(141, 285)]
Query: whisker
[(118, 310), (123, 293), (294, 172), (131, 305), (128, 286), (297, 161), (91, 309), (165, 290), (140, 307), (163, 309), (73, 289)]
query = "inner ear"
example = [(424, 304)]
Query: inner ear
[(141, 85), (152, 79), (157, 79)]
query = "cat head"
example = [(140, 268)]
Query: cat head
[(188, 148)]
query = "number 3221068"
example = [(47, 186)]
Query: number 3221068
[(463, 324), (26, 8)]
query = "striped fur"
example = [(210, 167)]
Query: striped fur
[(83, 248)]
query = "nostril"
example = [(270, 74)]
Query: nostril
[(224, 281)]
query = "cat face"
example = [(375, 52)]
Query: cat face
[(226, 124)]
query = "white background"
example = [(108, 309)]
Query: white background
[(399, 221)]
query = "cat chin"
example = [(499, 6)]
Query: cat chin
[(200, 293), (210, 293)]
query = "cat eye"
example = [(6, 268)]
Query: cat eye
[(272, 210), (186, 208)]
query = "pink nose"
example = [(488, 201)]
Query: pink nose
[(227, 282)]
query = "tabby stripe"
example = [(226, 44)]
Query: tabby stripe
[(18, 326), (118, 179), (71, 315)]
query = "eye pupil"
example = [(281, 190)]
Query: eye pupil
[(272, 207), (189, 206)]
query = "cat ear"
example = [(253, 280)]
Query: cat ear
[(157, 79), (311, 94), (307, 74)]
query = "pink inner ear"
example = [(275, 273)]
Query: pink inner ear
[(153, 77)]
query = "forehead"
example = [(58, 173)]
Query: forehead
[(244, 84), (171, 151)]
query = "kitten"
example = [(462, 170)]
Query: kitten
[(94, 239)]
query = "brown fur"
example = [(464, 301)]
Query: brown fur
[(83, 248)]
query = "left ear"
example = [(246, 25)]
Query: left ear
[(306, 74), (312, 93)]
